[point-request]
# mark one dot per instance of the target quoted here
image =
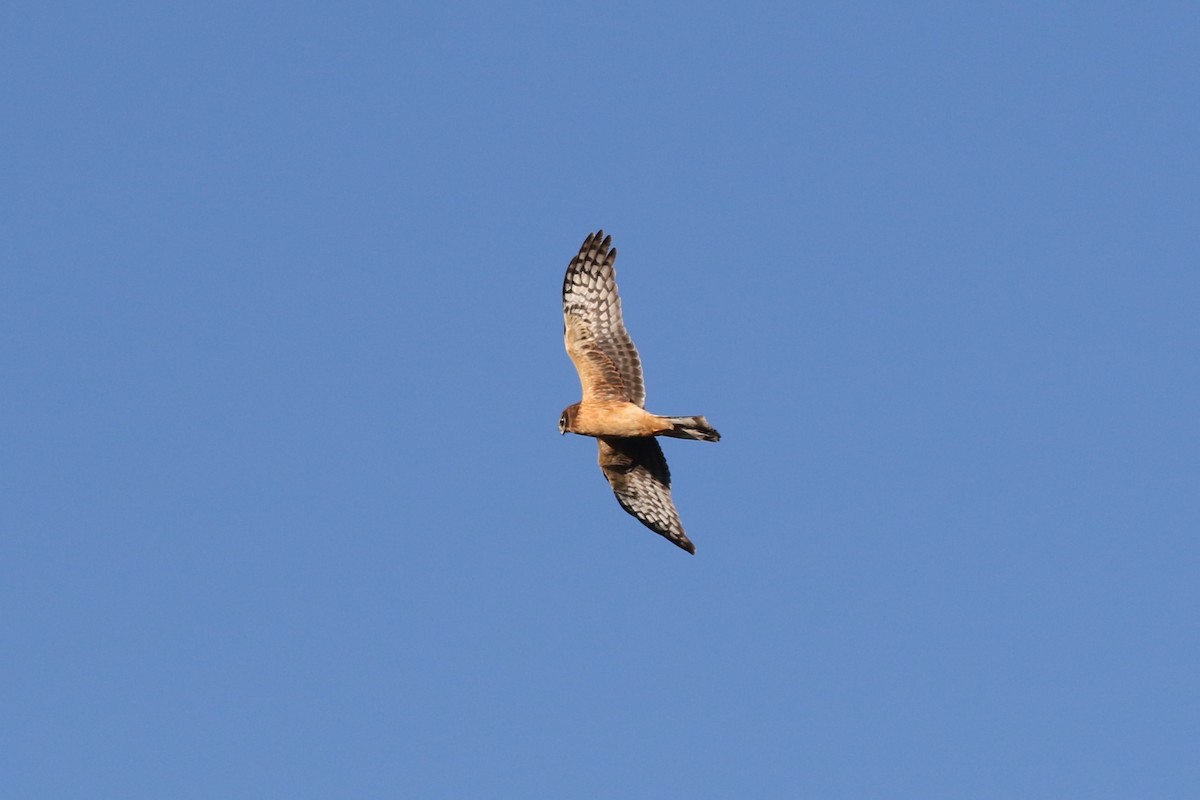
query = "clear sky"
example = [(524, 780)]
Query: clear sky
[(285, 509)]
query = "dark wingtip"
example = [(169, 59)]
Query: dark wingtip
[(598, 241)]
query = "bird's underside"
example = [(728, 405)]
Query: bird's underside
[(612, 408)]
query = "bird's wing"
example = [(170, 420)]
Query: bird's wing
[(607, 362), (638, 474)]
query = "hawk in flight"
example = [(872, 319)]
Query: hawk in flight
[(614, 394)]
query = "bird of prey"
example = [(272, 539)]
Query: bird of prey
[(614, 394)]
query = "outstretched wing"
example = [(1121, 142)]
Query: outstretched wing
[(638, 474), (607, 362)]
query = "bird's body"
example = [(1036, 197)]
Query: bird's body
[(614, 395), (612, 418), (621, 418)]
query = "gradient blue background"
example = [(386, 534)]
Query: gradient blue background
[(285, 512)]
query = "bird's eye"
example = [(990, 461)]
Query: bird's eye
[(563, 420)]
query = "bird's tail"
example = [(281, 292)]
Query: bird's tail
[(691, 428)]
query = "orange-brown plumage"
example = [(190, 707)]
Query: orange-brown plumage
[(612, 408), (614, 418)]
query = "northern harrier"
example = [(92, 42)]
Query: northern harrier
[(614, 394)]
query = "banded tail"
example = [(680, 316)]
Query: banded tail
[(691, 428)]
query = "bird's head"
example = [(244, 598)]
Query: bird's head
[(566, 423)]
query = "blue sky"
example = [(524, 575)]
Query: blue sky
[(286, 510)]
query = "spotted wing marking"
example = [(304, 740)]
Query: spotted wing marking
[(637, 471), (604, 355)]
